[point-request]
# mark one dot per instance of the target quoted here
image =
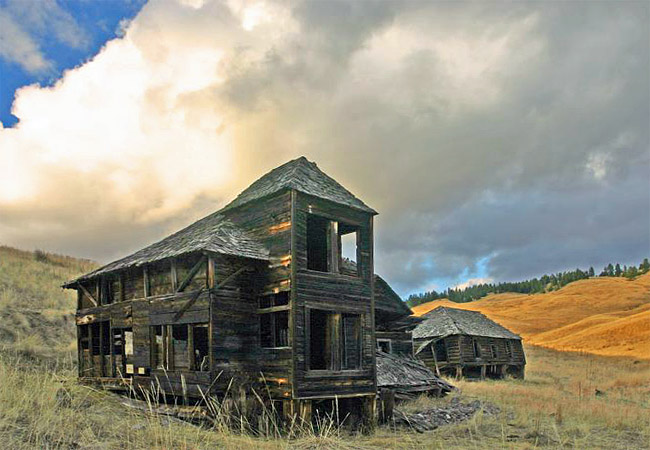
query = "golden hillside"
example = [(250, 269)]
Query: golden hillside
[(36, 315), (604, 316)]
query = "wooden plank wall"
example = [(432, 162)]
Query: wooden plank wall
[(401, 342), (334, 292), (460, 350)]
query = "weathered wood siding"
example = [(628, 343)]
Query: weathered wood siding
[(401, 341), (460, 351), (332, 292)]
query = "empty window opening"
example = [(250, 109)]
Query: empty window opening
[(334, 340), (348, 240), (384, 345), (440, 350), (493, 349), (509, 349), (271, 300), (318, 340), (274, 329), (113, 290), (94, 338), (477, 348), (158, 347), (317, 243), (201, 344), (180, 347), (106, 338), (274, 320)]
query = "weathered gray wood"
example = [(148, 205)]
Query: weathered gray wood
[(191, 274)]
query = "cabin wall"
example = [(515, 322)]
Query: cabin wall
[(492, 351), (401, 341), (336, 293)]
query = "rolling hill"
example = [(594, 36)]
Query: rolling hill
[(605, 316), (36, 315)]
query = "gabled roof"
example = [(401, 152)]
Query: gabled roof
[(444, 321), (303, 176), (387, 300), (213, 233)]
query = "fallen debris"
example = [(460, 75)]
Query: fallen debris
[(432, 418)]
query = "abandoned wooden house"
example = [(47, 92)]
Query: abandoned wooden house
[(466, 343), (257, 292), (394, 321)]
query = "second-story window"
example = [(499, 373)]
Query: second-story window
[(331, 246)]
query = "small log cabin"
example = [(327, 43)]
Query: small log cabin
[(254, 293), (466, 343)]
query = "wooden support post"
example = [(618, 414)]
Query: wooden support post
[(483, 370), (145, 274), (459, 372), (303, 408), (174, 275), (333, 239), (369, 413), (211, 273), (435, 359), (387, 399)]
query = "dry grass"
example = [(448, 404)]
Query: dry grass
[(43, 407), (555, 407), (604, 316)]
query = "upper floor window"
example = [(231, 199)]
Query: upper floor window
[(331, 246)]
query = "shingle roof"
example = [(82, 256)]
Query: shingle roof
[(303, 176), (387, 300), (405, 373), (444, 321), (213, 233)]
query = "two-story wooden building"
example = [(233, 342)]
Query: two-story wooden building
[(256, 292)]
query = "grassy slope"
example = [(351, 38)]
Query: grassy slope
[(42, 405), (36, 315), (603, 316)]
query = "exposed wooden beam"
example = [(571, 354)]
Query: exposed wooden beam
[(195, 297), (190, 276), (88, 294)]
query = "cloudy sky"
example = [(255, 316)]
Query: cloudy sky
[(497, 140)]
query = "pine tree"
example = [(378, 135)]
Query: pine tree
[(591, 272), (617, 271), (644, 266)]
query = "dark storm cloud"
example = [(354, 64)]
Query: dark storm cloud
[(508, 134)]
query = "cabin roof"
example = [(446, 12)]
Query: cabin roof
[(444, 321), (303, 176), (214, 233)]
